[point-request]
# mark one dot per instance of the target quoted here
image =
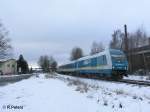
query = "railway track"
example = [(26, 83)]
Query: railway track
[(138, 82), (128, 81)]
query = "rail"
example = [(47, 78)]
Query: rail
[(138, 82)]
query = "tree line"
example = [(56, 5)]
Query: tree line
[(134, 39), (47, 63)]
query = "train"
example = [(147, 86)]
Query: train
[(110, 64)]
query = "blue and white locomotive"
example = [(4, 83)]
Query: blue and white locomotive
[(110, 63)]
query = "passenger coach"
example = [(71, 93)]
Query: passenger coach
[(110, 63)]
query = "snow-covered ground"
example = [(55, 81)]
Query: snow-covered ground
[(59, 93), (138, 77)]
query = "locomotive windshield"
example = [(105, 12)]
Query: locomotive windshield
[(118, 58), (117, 55)]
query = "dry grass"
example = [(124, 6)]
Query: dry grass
[(119, 91), (50, 76), (80, 86), (134, 97)]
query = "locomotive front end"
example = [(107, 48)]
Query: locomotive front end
[(119, 64)]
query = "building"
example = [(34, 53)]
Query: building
[(147, 43), (8, 67)]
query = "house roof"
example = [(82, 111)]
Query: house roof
[(139, 50), (4, 60)]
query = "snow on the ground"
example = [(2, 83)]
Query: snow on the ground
[(138, 77), (44, 95), (131, 97), (71, 94)]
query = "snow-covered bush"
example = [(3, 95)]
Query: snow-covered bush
[(82, 88), (105, 102), (134, 97), (52, 75), (119, 91), (96, 87)]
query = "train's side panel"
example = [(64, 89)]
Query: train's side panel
[(96, 65), (100, 65)]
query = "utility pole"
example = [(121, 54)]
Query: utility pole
[(126, 48), (126, 38)]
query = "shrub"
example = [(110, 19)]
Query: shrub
[(119, 91)]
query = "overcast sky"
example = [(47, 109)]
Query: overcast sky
[(54, 27)]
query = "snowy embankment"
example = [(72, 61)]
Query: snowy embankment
[(61, 93), (138, 77)]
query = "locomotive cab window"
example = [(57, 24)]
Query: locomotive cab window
[(120, 58)]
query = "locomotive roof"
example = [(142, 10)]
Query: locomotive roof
[(85, 57), (92, 56)]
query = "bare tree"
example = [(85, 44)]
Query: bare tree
[(76, 53), (47, 63), (117, 40), (43, 62), (139, 38), (53, 64), (96, 48), (5, 46), (136, 39)]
